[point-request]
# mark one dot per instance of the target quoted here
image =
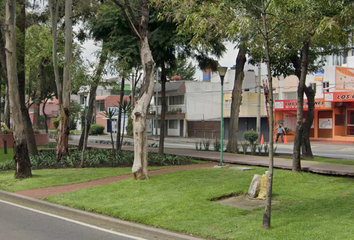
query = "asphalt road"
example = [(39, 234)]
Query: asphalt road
[(319, 148), (19, 222), (26, 218)]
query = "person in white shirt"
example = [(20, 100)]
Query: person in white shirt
[(280, 131)]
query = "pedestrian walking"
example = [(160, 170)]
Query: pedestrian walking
[(280, 132)]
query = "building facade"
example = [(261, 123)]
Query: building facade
[(334, 104), (194, 107)]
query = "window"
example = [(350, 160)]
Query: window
[(172, 124), (290, 95), (325, 86), (275, 96), (228, 104), (100, 106), (82, 99), (176, 100)]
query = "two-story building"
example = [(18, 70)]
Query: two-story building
[(194, 107), (107, 98), (334, 103)]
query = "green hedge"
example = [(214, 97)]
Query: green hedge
[(96, 129), (56, 122), (251, 136)]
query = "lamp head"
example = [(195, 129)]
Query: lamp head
[(222, 71)]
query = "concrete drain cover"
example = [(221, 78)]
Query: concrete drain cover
[(244, 202), (241, 168)]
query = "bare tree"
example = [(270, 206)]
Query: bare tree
[(266, 31)]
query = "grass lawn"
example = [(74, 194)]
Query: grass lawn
[(311, 206), (4, 157), (331, 160), (57, 177)]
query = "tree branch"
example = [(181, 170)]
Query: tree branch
[(131, 24)]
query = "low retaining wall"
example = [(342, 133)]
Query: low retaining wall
[(41, 139)]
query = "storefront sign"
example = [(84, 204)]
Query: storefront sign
[(325, 123), (319, 75), (292, 104), (344, 78), (339, 97)]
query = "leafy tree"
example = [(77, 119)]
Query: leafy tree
[(223, 20), (137, 16), (75, 109), (311, 29), (38, 52), (184, 69)]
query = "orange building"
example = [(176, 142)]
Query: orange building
[(334, 106)]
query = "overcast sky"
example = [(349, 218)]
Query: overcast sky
[(227, 60)]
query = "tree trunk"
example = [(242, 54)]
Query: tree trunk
[(37, 99), (163, 108), (54, 11), (236, 98), (45, 115), (300, 105), (3, 73), (119, 120), (92, 98), (305, 139), (140, 111), (267, 212), (64, 120), (122, 136), (23, 164), (306, 126), (7, 105), (139, 26), (21, 25)]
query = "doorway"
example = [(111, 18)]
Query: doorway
[(350, 122)]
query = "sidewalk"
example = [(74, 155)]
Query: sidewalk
[(228, 158), (251, 160)]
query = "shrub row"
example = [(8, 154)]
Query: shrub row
[(97, 158)]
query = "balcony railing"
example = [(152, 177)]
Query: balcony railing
[(170, 110)]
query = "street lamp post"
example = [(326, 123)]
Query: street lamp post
[(222, 72)]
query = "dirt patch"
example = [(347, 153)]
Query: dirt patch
[(244, 202)]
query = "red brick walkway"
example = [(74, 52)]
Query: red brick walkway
[(41, 193)]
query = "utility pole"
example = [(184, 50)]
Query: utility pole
[(258, 124)]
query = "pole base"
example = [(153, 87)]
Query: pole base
[(221, 166)]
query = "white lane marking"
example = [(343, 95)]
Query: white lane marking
[(74, 221)]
